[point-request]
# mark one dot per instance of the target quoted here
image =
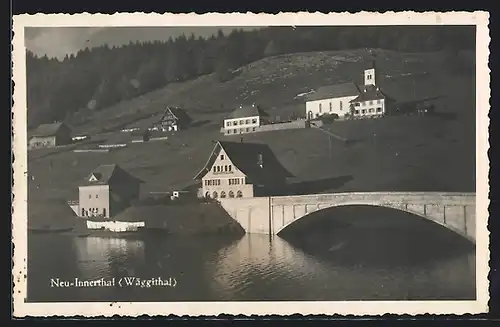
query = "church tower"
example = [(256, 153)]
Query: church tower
[(370, 75)]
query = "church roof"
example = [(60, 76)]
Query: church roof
[(334, 91), (245, 156), (371, 92)]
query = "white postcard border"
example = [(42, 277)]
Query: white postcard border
[(94, 309)]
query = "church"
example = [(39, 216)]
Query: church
[(349, 99)]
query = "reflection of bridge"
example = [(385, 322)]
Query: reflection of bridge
[(271, 215)]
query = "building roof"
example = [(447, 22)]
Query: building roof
[(371, 92), (106, 174), (334, 91), (247, 111), (245, 156), (178, 113), (47, 129)]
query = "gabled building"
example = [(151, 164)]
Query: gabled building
[(106, 191), (330, 100), (174, 119), (237, 169), (49, 135), (245, 119), (359, 101)]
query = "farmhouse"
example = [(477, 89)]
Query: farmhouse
[(245, 119), (359, 101), (174, 119), (241, 170), (106, 191), (49, 135)]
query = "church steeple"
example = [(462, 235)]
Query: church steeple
[(370, 75)]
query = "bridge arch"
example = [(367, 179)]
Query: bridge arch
[(453, 229)]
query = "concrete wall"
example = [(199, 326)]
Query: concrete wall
[(282, 126), (251, 213), (455, 211)]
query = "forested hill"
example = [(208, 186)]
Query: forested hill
[(96, 78)]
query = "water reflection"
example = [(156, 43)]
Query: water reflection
[(365, 259)]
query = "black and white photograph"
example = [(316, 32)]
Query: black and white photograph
[(251, 164)]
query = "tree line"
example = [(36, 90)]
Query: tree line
[(96, 78)]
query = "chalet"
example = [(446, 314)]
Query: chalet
[(49, 135), (245, 119), (346, 99), (106, 191), (174, 119), (241, 170)]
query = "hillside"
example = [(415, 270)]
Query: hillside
[(406, 153)]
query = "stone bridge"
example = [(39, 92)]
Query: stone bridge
[(271, 215)]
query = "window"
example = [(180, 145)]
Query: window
[(104, 211), (378, 101), (371, 102), (253, 129), (90, 196), (231, 194), (357, 104), (214, 195), (207, 195), (247, 129), (379, 109), (331, 106), (340, 105), (235, 131), (242, 122), (222, 194), (254, 121), (320, 108), (363, 111), (214, 168), (228, 123), (239, 194), (356, 112), (247, 121), (221, 157), (235, 123), (83, 212), (229, 167), (97, 196), (225, 167)]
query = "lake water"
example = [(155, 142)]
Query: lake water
[(346, 254)]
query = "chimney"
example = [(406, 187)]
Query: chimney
[(260, 161)]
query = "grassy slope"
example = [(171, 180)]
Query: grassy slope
[(409, 154)]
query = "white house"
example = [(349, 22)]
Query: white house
[(245, 119), (367, 100)]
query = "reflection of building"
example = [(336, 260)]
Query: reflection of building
[(174, 119), (107, 190), (241, 170), (49, 135), (360, 101), (245, 119)]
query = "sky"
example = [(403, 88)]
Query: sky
[(59, 41)]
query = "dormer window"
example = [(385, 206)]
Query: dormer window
[(221, 157), (94, 178)]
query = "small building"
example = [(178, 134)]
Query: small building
[(106, 191), (349, 99), (238, 169), (245, 119), (49, 135), (174, 119), (371, 103)]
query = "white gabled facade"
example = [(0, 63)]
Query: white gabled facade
[(338, 106), (241, 125)]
